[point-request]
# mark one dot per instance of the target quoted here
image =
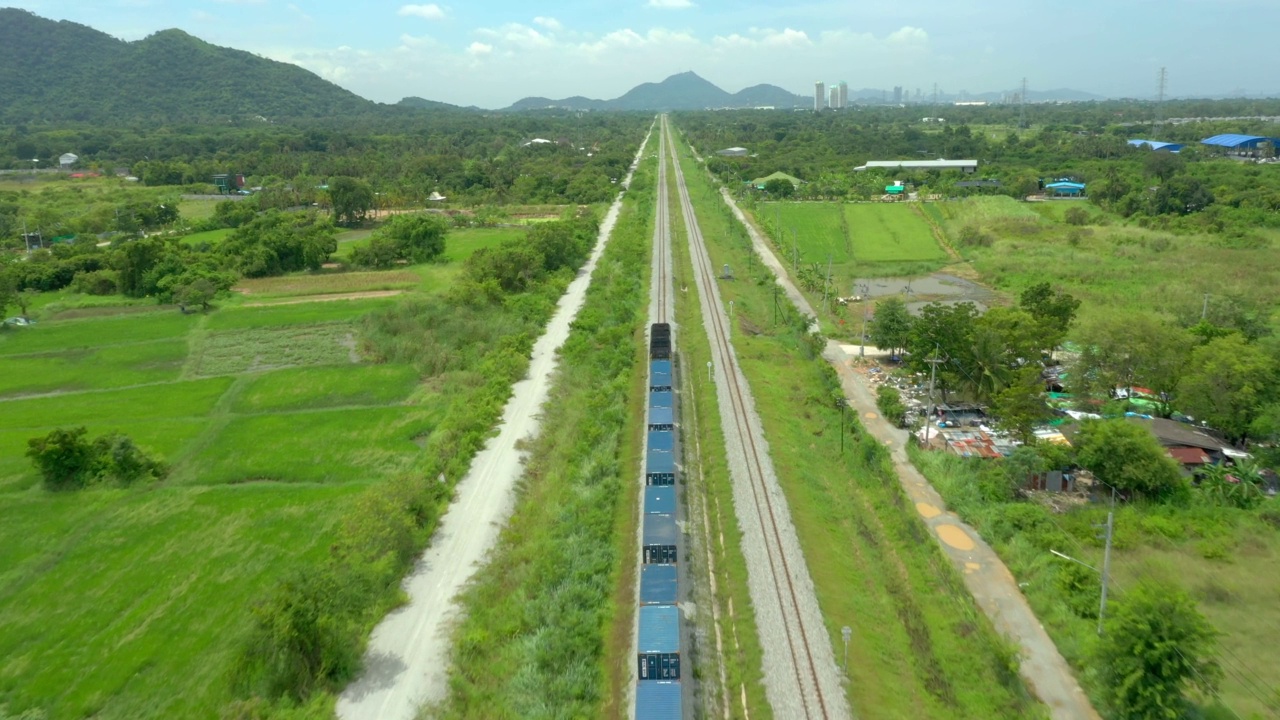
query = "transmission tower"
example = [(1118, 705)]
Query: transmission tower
[(1022, 105), (1162, 85)]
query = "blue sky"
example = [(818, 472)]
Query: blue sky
[(492, 53)]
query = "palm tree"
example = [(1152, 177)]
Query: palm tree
[(988, 372)]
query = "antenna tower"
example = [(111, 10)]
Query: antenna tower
[(935, 97), (1162, 85), (1022, 105)]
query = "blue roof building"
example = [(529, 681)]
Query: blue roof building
[(1065, 188), (1157, 145), (1239, 142)]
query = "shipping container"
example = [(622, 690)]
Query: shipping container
[(662, 398), (661, 536), (659, 468), (662, 440), (660, 375), (661, 418), (658, 585), (659, 643), (658, 700), (660, 499)]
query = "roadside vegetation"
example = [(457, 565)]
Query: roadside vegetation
[(908, 657), (535, 638)]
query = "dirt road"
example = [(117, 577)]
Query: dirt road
[(407, 662)]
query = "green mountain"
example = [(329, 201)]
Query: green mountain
[(685, 91), (65, 72)]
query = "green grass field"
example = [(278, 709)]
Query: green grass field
[(129, 603), (890, 232), (213, 237)]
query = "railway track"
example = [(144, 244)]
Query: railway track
[(818, 692), (661, 237)]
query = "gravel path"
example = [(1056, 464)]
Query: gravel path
[(993, 587), (801, 677), (407, 662)]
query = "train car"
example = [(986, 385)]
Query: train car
[(660, 499), (659, 700), (660, 341), (661, 539), (658, 585), (659, 646), (659, 467), (660, 375)]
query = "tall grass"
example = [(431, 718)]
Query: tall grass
[(532, 639)]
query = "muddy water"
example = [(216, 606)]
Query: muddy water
[(920, 291)]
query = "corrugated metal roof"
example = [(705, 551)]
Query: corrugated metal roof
[(1157, 145), (660, 530), (658, 585), (659, 462), (1188, 455), (660, 499), (659, 629), (1235, 140), (920, 164), (662, 398), (658, 700), (1065, 185), (663, 440)]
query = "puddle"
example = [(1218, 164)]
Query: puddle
[(937, 287)]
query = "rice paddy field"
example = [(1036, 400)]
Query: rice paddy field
[(130, 602), (855, 233)]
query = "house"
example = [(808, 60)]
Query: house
[(1065, 188), (1157, 145), (732, 152), (1191, 446), (965, 166)]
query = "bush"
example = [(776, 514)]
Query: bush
[(96, 282), (67, 460), (1076, 216), (889, 400), (974, 236)]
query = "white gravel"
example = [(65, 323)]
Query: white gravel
[(406, 665), (789, 685)]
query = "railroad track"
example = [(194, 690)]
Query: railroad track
[(661, 234), (800, 636)]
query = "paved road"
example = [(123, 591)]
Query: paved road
[(407, 662), (985, 575)]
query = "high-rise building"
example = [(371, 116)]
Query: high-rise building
[(897, 94), (844, 94), (819, 95), (834, 104)]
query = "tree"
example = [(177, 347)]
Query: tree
[(1239, 486), (64, 457), (1163, 165), (946, 330), (889, 401), (197, 292), (419, 238), (890, 326), (1020, 406), (1054, 309), (1182, 195), (780, 188), (352, 199), (1227, 384), (1127, 457), (1156, 648), (1132, 349), (24, 298)]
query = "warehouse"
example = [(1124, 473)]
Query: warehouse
[(1245, 146), (1156, 145), (964, 166)]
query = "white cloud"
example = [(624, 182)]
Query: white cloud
[(549, 23), (202, 17), (908, 34), (477, 49), (670, 4), (430, 11)]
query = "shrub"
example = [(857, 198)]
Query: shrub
[(889, 400), (67, 460), (96, 282), (974, 236), (1076, 216)]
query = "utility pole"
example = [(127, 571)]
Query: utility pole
[(933, 373), (1022, 105), (1162, 84), (826, 287), (846, 632), (1106, 561), (1204, 309), (863, 290)]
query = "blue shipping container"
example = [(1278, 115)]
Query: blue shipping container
[(660, 499), (659, 629), (658, 585), (658, 700), (663, 440), (661, 398), (661, 418), (660, 530), (657, 461)]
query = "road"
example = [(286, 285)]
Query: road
[(993, 587), (406, 665), (801, 677)]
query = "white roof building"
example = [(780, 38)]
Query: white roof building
[(967, 166)]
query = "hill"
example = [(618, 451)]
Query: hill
[(60, 71), (685, 91)]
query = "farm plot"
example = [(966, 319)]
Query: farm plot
[(890, 232), (810, 231)]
